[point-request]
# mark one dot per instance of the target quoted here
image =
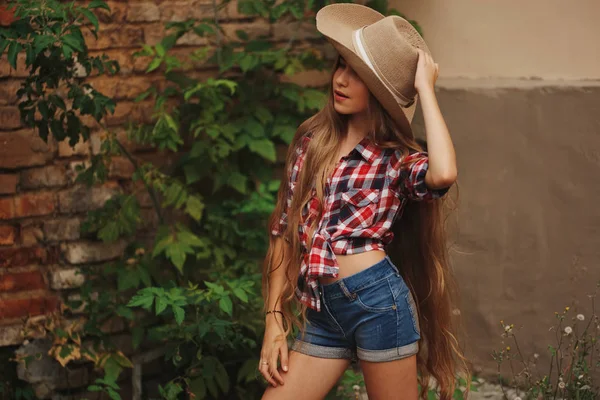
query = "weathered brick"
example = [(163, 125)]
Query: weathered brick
[(8, 91), (97, 138), (117, 14), (23, 148), (253, 29), (285, 30), (5, 68), (81, 148), (182, 10), (120, 87), (16, 308), (8, 183), (7, 235), (143, 12), (66, 278), (33, 204), (191, 39), (20, 281), (115, 37), (120, 167), (80, 198), (62, 229), (31, 234), (72, 169), (21, 256), (7, 208), (127, 111), (86, 252), (50, 176), (10, 117)]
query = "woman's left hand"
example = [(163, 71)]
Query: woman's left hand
[(427, 72)]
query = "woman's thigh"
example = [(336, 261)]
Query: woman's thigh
[(391, 379), (307, 378)]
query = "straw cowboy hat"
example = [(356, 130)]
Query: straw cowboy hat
[(381, 50)]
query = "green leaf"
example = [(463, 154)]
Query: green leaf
[(242, 35), (13, 50), (91, 17), (198, 388), (255, 128), (137, 335), (222, 377), (99, 4), (143, 300), (238, 181), (161, 305), (263, 114), (73, 42), (240, 294), (248, 62), (226, 305), (154, 64), (263, 147), (194, 207), (179, 314)]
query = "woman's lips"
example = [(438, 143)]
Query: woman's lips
[(339, 96)]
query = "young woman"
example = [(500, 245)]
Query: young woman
[(352, 171)]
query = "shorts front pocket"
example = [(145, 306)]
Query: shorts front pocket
[(358, 207), (377, 297)]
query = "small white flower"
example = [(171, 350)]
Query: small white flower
[(456, 311), (536, 355), (507, 329), (517, 398), (568, 330), (356, 388), (580, 377), (560, 378), (580, 317), (585, 387), (561, 385), (462, 388)]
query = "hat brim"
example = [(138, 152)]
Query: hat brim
[(337, 22)]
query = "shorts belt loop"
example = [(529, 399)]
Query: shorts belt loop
[(350, 296), (393, 265)]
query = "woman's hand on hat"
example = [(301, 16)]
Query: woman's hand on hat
[(427, 72)]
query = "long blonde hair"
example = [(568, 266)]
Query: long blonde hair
[(419, 239)]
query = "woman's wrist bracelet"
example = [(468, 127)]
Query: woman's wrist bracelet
[(274, 311)]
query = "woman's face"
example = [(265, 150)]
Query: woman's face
[(350, 94)]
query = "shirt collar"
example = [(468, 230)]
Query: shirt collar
[(368, 150)]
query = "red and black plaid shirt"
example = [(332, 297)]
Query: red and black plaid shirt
[(363, 197)]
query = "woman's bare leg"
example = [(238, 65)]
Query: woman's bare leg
[(308, 378), (392, 379)]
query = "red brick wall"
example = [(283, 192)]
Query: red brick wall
[(40, 206)]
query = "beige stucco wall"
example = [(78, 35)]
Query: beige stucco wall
[(548, 39), (525, 237)]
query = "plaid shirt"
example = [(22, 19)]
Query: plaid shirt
[(364, 196)]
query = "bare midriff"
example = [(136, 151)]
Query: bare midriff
[(352, 263)]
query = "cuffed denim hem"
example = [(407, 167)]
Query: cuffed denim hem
[(322, 351), (388, 354)]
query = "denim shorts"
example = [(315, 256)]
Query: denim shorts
[(370, 315)]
